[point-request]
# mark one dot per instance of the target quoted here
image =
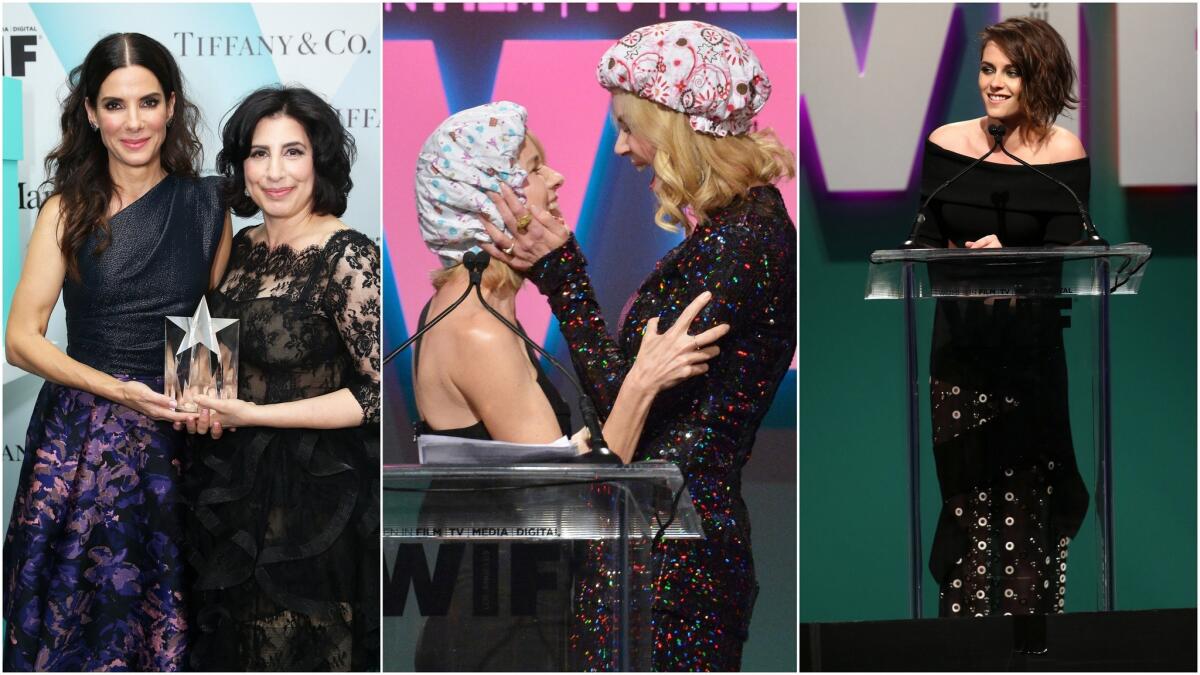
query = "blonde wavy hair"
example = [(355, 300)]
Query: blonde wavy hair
[(697, 171)]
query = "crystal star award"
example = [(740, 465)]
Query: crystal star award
[(201, 357)]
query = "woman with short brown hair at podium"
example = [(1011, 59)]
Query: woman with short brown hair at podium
[(1012, 496)]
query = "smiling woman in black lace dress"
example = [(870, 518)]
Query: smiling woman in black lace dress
[(285, 493)]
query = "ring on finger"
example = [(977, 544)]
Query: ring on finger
[(523, 221), (509, 250)]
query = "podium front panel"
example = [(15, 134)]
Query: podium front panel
[(1008, 416), (1008, 442), (485, 567)]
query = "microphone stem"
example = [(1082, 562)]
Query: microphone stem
[(1088, 226), (441, 315), (920, 219), (586, 408)]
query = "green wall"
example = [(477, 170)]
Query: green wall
[(853, 480)]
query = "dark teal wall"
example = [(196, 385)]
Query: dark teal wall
[(853, 490)]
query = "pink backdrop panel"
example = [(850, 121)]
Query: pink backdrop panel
[(567, 111), (411, 75), (782, 113)]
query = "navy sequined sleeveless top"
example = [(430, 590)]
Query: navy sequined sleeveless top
[(157, 264)]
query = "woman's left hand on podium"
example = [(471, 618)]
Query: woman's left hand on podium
[(990, 241)]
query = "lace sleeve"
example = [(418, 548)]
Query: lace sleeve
[(352, 300)]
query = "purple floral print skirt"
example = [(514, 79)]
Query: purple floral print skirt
[(92, 564)]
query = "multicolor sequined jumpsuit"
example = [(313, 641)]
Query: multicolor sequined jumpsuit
[(746, 256)]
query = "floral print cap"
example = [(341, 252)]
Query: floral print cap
[(473, 151), (698, 69)]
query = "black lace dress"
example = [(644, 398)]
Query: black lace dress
[(1012, 496), (284, 535)]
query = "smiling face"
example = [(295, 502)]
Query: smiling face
[(541, 185), (132, 114), (637, 149), (999, 84), (280, 176)]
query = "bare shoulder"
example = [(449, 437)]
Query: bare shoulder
[(49, 217), (329, 226), (489, 361), (255, 234), (480, 338), (955, 137), (51, 209), (1063, 146), (52, 203)]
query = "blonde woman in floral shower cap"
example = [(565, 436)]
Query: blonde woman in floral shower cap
[(684, 98)]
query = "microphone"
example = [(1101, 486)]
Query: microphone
[(601, 453), (1093, 237), (476, 261), (911, 242)]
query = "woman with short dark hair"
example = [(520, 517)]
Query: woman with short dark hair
[(1012, 497), (285, 492), (92, 567), (333, 147)]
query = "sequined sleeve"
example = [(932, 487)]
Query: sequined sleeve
[(562, 277), (352, 299), (748, 265), (746, 262)]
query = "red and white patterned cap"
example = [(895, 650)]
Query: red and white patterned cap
[(701, 70)]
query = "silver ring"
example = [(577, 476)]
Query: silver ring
[(509, 250)]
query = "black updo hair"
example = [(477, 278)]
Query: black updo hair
[(333, 146)]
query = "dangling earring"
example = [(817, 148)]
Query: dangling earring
[(93, 125)]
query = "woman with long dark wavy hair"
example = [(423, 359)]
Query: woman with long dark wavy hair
[(131, 234)]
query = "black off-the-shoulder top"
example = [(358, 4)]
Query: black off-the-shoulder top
[(1008, 200)]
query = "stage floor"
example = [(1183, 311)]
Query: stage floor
[(1148, 640)]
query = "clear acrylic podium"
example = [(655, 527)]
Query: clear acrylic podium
[(483, 564), (1068, 287)]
